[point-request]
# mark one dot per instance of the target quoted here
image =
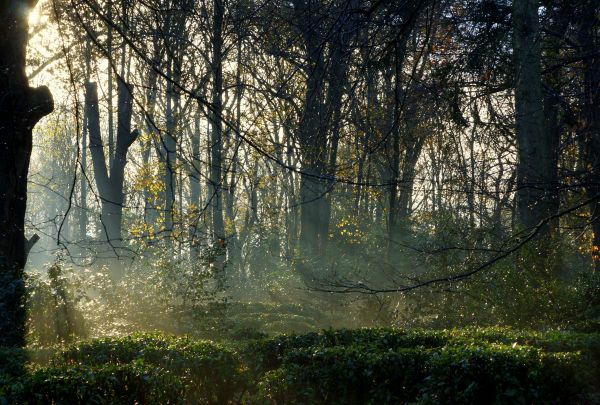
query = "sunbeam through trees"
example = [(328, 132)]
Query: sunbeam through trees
[(413, 178)]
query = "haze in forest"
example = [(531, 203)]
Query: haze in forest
[(235, 166)]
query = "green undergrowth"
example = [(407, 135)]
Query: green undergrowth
[(248, 318), (364, 366)]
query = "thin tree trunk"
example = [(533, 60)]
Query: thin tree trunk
[(170, 155), (195, 197), (150, 214), (217, 125), (109, 51), (83, 214)]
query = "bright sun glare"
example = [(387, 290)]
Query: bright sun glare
[(34, 16)]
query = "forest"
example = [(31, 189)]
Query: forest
[(299, 201)]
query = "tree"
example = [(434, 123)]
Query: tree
[(536, 171), (589, 44), (110, 174), (21, 107), (216, 113)]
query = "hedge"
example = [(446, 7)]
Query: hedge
[(212, 374), (496, 374), (103, 384), (365, 366)]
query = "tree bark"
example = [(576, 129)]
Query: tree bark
[(170, 155), (312, 139), (339, 60), (535, 179), (215, 194), (195, 191), (109, 51), (590, 135), (110, 181), (394, 128), (150, 200), (21, 107)]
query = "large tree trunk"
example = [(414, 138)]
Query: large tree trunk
[(233, 245), (313, 141), (21, 107), (394, 130), (590, 136), (110, 181), (175, 41), (536, 166), (338, 63)]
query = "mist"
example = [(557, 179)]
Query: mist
[(239, 171), (216, 153)]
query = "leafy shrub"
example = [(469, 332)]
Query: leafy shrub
[(268, 354), (12, 368), (182, 297), (245, 318), (351, 375), (54, 302), (105, 384), (500, 374), (13, 361), (211, 373), (366, 366), (345, 375), (476, 365)]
